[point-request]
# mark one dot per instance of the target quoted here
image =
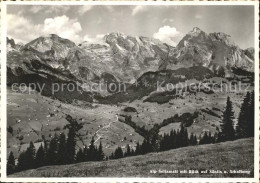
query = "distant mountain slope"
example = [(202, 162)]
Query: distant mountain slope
[(151, 81), (202, 157), (123, 56)]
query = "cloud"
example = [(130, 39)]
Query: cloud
[(168, 20), (98, 38), (64, 27), (49, 9), (139, 9), (88, 38), (198, 16), (23, 30), (98, 20), (168, 35), (84, 9), (36, 9)]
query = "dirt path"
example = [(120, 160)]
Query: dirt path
[(107, 126)]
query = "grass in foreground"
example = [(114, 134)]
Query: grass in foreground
[(233, 155)]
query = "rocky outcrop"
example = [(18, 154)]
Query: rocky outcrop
[(125, 57), (216, 51)]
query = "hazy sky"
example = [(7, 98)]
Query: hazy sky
[(167, 23)]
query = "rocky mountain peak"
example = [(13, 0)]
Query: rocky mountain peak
[(196, 35), (51, 36), (51, 43), (196, 31), (215, 50), (116, 34), (115, 37), (12, 46), (222, 37), (10, 41), (250, 52)]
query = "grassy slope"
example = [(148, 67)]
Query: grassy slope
[(236, 155), (33, 111)]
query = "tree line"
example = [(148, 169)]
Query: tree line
[(61, 150)]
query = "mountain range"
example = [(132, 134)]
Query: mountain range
[(121, 58)]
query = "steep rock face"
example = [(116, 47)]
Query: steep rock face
[(42, 61), (44, 55), (123, 56), (250, 52), (10, 42), (51, 48), (51, 45), (216, 51)]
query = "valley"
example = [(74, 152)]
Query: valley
[(35, 117)]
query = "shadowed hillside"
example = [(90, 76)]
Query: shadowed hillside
[(235, 155)]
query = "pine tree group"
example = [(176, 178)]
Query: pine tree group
[(91, 153), (55, 153), (11, 164), (59, 151), (246, 122)]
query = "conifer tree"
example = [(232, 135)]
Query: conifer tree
[(62, 150), (163, 143), (172, 140), (137, 150), (80, 156), (184, 137), (118, 153), (45, 149), (128, 151), (193, 140), (205, 139), (71, 145), (146, 147), (100, 153), (30, 156), (251, 116), (227, 129), (112, 156), (73, 127), (85, 153), (210, 138), (22, 162), (11, 164), (245, 124), (52, 151), (154, 138), (132, 152), (92, 151), (243, 118), (40, 157), (178, 139)]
